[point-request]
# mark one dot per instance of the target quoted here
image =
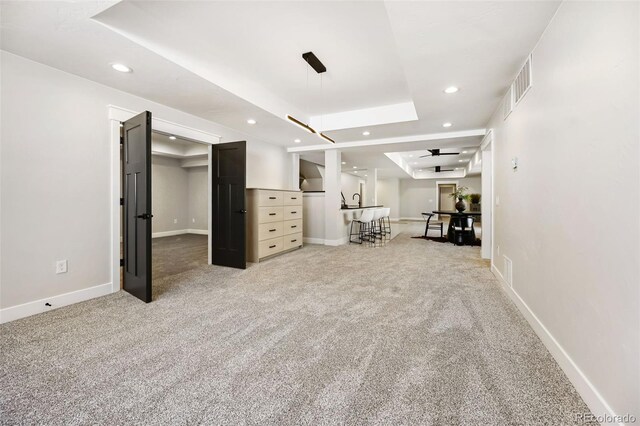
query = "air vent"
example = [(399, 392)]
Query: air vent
[(517, 90), (508, 271), (523, 82), (507, 104)]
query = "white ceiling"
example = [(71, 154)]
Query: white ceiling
[(229, 61)]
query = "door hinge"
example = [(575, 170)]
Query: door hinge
[(122, 201), (121, 262)]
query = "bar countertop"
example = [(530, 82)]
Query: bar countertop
[(360, 208)]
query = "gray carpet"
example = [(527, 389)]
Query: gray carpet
[(415, 332)]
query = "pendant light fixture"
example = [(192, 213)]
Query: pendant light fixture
[(312, 60)]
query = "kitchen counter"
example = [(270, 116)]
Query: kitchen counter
[(360, 208)]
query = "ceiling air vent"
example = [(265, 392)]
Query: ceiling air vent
[(523, 82)]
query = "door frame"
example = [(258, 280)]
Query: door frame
[(488, 147), (116, 115), (444, 182)]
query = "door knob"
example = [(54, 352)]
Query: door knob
[(144, 216), (241, 211)]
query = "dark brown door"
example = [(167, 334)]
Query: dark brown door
[(137, 206), (228, 204)]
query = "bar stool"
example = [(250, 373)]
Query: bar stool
[(386, 224), (378, 214), (364, 226)]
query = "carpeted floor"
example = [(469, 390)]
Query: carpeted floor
[(415, 332)]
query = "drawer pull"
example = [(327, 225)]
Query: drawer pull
[(272, 198), (273, 246), (294, 212), (294, 198), (272, 230), (293, 241), (272, 214), (294, 226)]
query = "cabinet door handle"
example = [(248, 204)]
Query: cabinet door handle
[(294, 198), (294, 226), (272, 198), (293, 241), (273, 246), (272, 230), (272, 214), (294, 212)]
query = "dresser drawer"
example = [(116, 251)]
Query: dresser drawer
[(270, 198), (269, 214), (269, 247), (270, 230), (292, 198), (292, 212), (292, 227), (293, 240)]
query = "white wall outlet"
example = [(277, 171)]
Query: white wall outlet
[(175, 220), (61, 266)]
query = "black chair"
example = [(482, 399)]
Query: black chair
[(463, 229), (434, 224)]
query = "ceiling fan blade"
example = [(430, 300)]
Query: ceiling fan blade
[(449, 153), (428, 155)]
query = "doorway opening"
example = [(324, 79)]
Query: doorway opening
[(180, 196), (180, 170), (444, 200)]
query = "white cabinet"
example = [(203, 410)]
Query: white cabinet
[(274, 222)]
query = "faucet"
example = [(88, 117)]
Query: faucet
[(354, 197)]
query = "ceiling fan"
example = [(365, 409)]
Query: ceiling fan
[(437, 153), (438, 169)]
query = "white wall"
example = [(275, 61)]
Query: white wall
[(56, 180), (179, 196), (568, 217), (170, 195), (198, 210), (389, 195), (420, 195)]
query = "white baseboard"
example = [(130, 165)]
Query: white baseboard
[(338, 242), (179, 232), (168, 233), (38, 306), (307, 240), (198, 231), (588, 392)]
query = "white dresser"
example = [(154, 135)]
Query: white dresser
[(274, 222)]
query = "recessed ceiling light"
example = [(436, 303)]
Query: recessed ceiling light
[(121, 67), (365, 175), (447, 124), (344, 162), (297, 140), (451, 89), (355, 167), (460, 161), (173, 138), (355, 171), (415, 162), (366, 133), (420, 170), (464, 152), (251, 121), (410, 155)]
